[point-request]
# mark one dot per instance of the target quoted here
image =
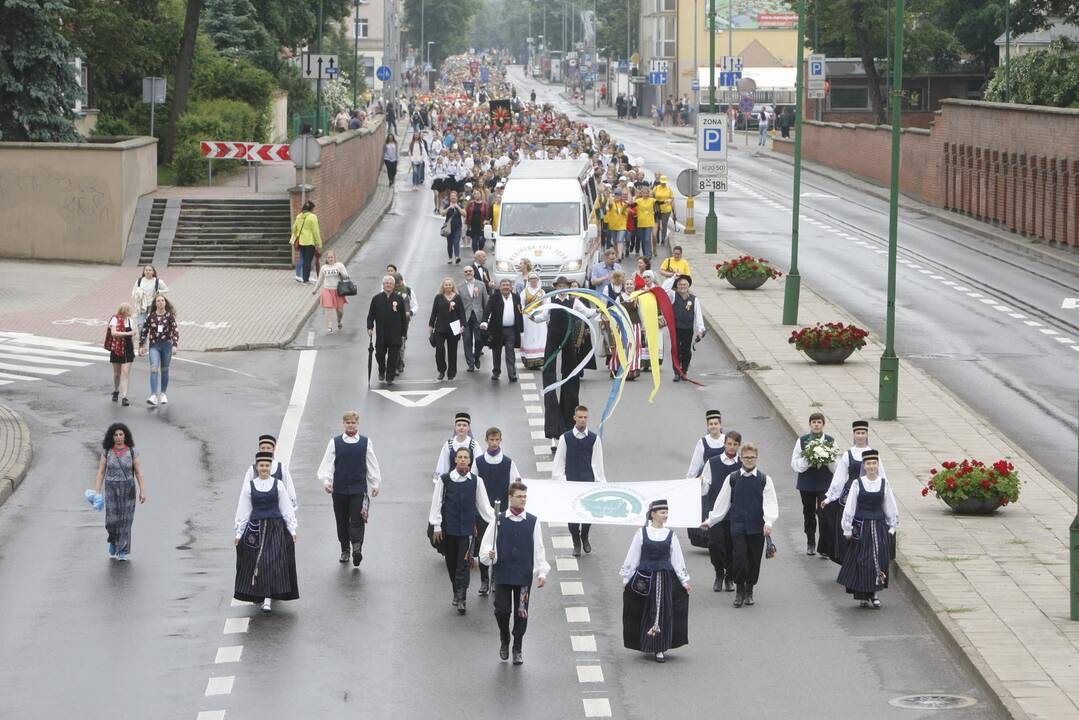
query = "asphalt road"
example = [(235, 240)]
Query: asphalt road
[(987, 321), (105, 639)]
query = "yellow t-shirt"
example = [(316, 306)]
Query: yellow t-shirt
[(616, 216), (664, 197), (678, 267), (646, 212)]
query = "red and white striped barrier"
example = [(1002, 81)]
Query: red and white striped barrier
[(228, 150)]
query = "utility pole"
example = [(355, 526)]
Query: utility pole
[(889, 363), (356, 54), (423, 46), (1007, 51), (711, 223), (793, 287), (1074, 534)]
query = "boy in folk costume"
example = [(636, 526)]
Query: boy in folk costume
[(713, 478), (812, 480), (462, 437), (498, 472)]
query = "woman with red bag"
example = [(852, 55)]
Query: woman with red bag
[(119, 341)]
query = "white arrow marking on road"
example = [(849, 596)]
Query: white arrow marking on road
[(1070, 304), (423, 397)]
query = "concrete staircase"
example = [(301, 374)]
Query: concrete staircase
[(245, 233), (153, 231)]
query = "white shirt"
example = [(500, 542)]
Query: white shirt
[(286, 478), (243, 507), (707, 477), (633, 556), (696, 463), (325, 468), (891, 510), (798, 463), (444, 465), (540, 567), (507, 311), (558, 469), (842, 467), (770, 505), (483, 506)]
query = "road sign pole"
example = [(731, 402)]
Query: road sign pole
[(318, 81), (711, 226), (889, 364), (793, 287)]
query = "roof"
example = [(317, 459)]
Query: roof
[(1044, 37), (550, 169), (538, 190)]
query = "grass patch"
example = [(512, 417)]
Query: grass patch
[(165, 175)]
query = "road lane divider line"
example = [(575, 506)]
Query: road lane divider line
[(290, 425), (589, 673), (566, 564), (530, 397), (236, 625), (541, 450), (583, 643), (535, 422), (211, 715), (596, 707), (533, 409), (229, 654), (578, 614), (220, 685), (569, 587)]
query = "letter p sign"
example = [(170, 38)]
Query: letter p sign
[(713, 140)]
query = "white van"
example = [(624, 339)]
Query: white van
[(546, 217)]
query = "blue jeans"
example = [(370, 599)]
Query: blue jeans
[(160, 358), (307, 262), (764, 134), (645, 235), (417, 173), (617, 236), (453, 244)]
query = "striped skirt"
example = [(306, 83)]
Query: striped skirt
[(633, 360), (266, 562), (867, 563), (120, 513), (659, 621)]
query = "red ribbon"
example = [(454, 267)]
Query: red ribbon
[(667, 309)]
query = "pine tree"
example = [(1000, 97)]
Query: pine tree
[(37, 80), (235, 29)]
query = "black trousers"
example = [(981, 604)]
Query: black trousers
[(506, 346), (307, 254), (446, 353), (387, 366), (810, 504), (507, 600), (559, 405), (479, 240), (746, 554), (391, 169), (685, 347), (350, 525), (719, 550), (456, 549), (473, 338), (481, 528), (579, 532)]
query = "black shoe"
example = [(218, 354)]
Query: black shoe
[(728, 585), (485, 587), (344, 557), (400, 368), (518, 659), (717, 586), (495, 376), (442, 376), (457, 261), (115, 396), (661, 658), (471, 368), (461, 606), (739, 598), (513, 378), (810, 550), (576, 549), (382, 376), (357, 556), (677, 379), (587, 546), (124, 402), (749, 598), (504, 650)]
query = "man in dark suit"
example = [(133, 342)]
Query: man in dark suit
[(474, 302), (479, 266), (387, 319), (504, 323)]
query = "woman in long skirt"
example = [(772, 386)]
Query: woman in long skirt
[(655, 602), (619, 293), (119, 470), (265, 539), (870, 519), (534, 338)]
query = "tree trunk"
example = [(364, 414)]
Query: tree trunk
[(184, 67), (865, 52)]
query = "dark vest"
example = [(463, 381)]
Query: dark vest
[(459, 506), (854, 467), (747, 503), (515, 550), (709, 452), (655, 554), (684, 311), (579, 457), (264, 504), (350, 467), (720, 471), (496, 479), (870, 504), (814, 479)]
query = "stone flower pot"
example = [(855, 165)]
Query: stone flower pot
[(974, 506), (829, 356), (748, 283)]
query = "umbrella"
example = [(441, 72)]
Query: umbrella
[(370, 356)]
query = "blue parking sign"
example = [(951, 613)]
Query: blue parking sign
[(713, 139)]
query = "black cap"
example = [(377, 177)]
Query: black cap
[(561, 280), (687, 278), (709, 414), (860, 425), (870, 454), (657, 505), (264, 455), (462, 416), (268, 438)]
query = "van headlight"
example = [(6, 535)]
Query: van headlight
[(572, 266), (503, 266)]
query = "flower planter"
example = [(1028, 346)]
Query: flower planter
[(747, 283), (829, 356), (974, 505)]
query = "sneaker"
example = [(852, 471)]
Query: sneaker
[(122, 557), (297, 278), (810, 550), (125, 402), (112, 550), (329, 331), (152, 400), (266, 605), (162, 399), (115, 396)]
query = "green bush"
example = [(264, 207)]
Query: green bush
[(109, 126), (213, 120)]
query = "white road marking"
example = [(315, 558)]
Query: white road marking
[(1032, 323), (541, 450), (544, 466), (233, 602), (220, 685), (912, 266), (423, 397), (533, 409), (538, 435), (44, 360), (526, 375), (1002, 308), (206, 364), (530, 397), (236, 625), (589, 674), (290, 425), (40, 371), (961, 288), (1070, 304), (535, 422), (1066, 340), (13, 348), (528, 386), (988, 301), (583, 643), (577, 615), (949, 283), (1017, 316), (596, 707), (230, 654), (1048, 331), (936, 277), (571, 587), (310, 338), (10, 377), (211, 715), (1074, 347), (974, 295), (566, 564), (561, 542), (926, 272), (31, 339)]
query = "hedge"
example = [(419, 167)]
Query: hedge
[(213, 120)]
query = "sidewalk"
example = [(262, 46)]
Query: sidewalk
[(219, 308), (998, 585), (15, 451)]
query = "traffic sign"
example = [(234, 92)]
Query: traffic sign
[(305, 152), (729, 79), (746, 104), (623, 65), (711, 137), (268, 152), (731, 63), (224, 149), (711, 184), (660, 66), (657, 78), (695, 85), (686, 182), (717, 168), (817, 75), (319, 67), (383, 73), (153, 90)]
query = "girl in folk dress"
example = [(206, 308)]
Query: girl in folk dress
[(870, 519), (534, 338), (619, 293), (328, 277), (265, 539), (119, 471)]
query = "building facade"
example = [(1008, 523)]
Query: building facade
[(376, 34)]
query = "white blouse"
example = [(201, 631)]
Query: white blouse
[(891, 510), (839, 477), (696, 463), (633, 556), (243, 507)]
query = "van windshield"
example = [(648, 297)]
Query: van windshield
[(522, 219)]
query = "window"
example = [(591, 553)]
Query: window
[(361, 28), (666, 6), (666, 37), (368, 67), (848, 98), (523, 219)]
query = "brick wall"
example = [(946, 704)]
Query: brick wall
[(347, 174), (1016, 166)]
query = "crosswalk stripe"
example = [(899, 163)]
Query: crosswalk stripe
[(10, 347), (42, 360), (29, 339), (9, 376), (23, 368)]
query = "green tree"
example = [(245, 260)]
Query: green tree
[(37, 81), (1041, 77), (235, 30), (448, 24), (184, 69), (612, 17)]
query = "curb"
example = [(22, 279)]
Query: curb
[(943, 626), (13, 475), (351, 253)]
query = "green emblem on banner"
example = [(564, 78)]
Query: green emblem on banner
[(604, 504)]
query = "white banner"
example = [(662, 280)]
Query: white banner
[(560, 501)]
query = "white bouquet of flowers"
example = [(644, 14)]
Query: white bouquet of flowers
[(819, 453)]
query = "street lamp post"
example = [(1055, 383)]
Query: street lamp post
[(711, 223), (1074, 535), (356, 54), (318, 80), (1007, 50), (889, 364), (793, 287)]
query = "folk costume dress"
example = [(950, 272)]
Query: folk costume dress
[(534, 337), (847, 469), (870, 518), (655, 605), (266, 553)]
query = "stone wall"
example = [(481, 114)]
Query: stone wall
[(73, 201), (345, 177)]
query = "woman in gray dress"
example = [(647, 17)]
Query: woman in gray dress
[(119, 470)]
